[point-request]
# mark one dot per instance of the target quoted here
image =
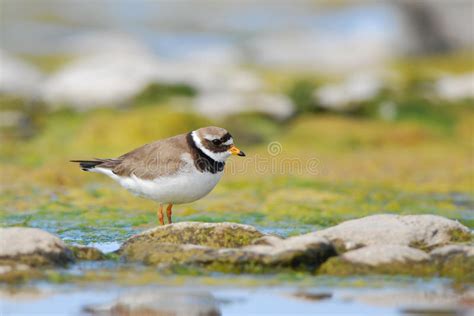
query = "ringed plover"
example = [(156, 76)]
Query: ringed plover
[(176, 170)]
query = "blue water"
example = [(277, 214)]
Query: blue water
[(233, 302), (342, 296)]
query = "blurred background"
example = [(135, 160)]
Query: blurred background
[(379, 93)]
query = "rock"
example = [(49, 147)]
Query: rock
[(9, 268), (32, 247), (108, 79), (18, 78), (348, 94), (225, 247), (417, 231), (87, 253), (268, 240), (381, 259), (383, 254), (13, 273), (168, 239), (213, 235), (113, 69), (455, 87), (450, 250), (298, 251), (455, 261), (160, 303), (312, 296)]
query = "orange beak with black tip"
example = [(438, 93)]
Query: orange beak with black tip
[(235, 151)]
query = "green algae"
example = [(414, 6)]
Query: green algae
[(214, 236), (87, 253), (457, 267), (460, 236)]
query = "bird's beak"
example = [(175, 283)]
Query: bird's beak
[(235, 151)]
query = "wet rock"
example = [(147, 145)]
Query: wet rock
[(87, 253), (214, 235), (268, 240), (225, 247), (383, 254), (417, 231), (383, 259), (299, 251), (9, 268), (455, 261), (451, 250), (15, 273), (312, 296), (33, 247), (160, 303), (174, 254)]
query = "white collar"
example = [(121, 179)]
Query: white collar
[(220, 157)]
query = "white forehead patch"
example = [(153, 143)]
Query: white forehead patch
[(221, 157), (230, 141)]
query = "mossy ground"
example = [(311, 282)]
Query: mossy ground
[(379, 167), (329, 167)]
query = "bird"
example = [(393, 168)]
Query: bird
[(176, 170)]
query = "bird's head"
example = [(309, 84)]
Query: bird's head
[(216, 142)]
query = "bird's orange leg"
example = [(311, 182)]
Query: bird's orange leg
[(159, 213), (169, 212)]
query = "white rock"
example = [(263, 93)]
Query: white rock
[(18, 78), (382, 254), (449, 250), (456, 87), (108, 79), (208, 77), (386, 229), (303, 243), (346, 95), (111, 79), (17, 242)]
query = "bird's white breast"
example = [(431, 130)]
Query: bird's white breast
[(187, 185)]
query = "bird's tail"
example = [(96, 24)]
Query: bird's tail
[(87, 165)]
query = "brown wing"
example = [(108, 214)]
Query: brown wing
[(157, 159)]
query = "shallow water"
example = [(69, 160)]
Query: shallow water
[(279, 300)]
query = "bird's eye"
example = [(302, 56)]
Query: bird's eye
[(216, 142)]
